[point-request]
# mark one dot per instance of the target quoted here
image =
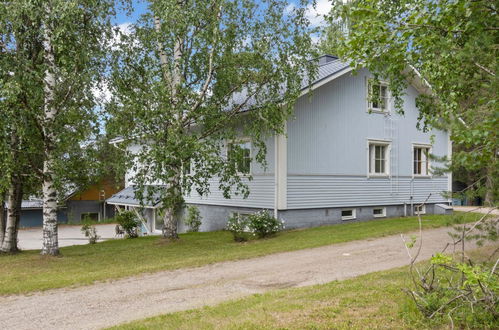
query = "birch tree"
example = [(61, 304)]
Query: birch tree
[(193, 75), (19, 139), (55, 71), (74, 38)]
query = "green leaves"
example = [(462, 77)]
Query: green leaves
[(184, 80), (453, 45)]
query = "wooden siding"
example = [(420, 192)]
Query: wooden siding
[(314, 191), (330, 131), (261, 194)]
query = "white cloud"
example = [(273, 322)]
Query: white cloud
[(101, 92), (120, 30), (315, 14)]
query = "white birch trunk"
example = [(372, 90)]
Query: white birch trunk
[(50, 237), (170, 219), (2, 220), (14, 200), (174, 79)]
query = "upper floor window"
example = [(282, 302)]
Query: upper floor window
[(240, 153), (421, 160), (378, 97), (379, 153)]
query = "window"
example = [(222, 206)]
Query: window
[(186, 167), (348, 214), (89, 216), (419, 209), (379, 212), (378, 158), (421, 160), (240, 154), (378, 96)]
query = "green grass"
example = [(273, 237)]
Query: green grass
[(83, 265), (372, 301)]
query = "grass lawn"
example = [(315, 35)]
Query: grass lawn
[(84, 264), (374, 301)]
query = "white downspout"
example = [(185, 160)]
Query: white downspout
[(280, 172)]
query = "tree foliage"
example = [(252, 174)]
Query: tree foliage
[(51, 59), (192, 75), (452, 45)]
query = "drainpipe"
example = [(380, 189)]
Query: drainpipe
[(276, 175), (412, 197)]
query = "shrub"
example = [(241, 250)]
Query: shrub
[(90, 232), (454, 287), (238, 225), (193, 219), (262, 224), (129, 222)]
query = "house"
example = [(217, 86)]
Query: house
[(346, 156), (89, 202), (32, 214)]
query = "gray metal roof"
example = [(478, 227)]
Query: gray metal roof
[(331, 67), (328, 66), (32, 204), (128, 197)]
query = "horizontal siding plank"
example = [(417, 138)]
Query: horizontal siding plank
[(334, 191), (261, 194)]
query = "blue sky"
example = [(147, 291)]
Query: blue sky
[(140, 6)]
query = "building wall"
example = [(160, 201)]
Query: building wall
[(214, 217), (34, 218), (75, 209), (94, 192), (328, 150), (327, 154)]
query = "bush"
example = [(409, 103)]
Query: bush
[(262, 224), (193, 219), (90, 232), (129, 222), (238, 225), (454, 287)]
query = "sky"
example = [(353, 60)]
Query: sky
[(314, 14)]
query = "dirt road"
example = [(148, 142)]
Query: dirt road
[(106, 304)]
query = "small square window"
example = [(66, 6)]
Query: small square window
[(379, 212), (419, 209), (378, 96), (240, 154), (348, 214)]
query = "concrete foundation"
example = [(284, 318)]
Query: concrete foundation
[(215, 217)]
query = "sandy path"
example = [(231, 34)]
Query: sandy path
[(106, 304)]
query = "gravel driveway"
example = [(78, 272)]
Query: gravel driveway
[(31, 238), (111, 303)]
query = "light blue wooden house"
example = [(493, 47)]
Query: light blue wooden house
[(345, 157)]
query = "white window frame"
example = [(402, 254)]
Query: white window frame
[(383, 212), (241, 141), (349, 217), (422, 146), (380, 83), (423, 209), (370, 158)]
